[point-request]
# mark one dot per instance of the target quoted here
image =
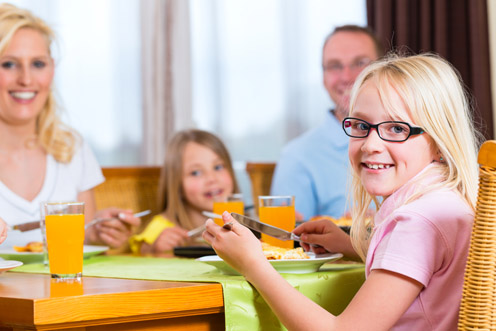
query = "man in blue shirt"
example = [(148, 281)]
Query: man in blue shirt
[(314, 166)]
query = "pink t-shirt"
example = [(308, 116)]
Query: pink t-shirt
[(426, 240)]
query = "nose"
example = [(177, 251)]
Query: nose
[(372, 143), (210, 176), (25, 76), (348, 74)]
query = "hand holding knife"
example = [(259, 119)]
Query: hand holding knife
[(256, 225)]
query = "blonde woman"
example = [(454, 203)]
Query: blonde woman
[(197, 171), (41, 159), (412, 144)]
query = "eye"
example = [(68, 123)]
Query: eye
[(334, 67), (219, 167), (397, 129), (362, 63), (39, 64), (361, 126), (8, 64), (195, 173)]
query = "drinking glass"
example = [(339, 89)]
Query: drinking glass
[(43, 233), (278, 211), (64, 226), (233, 204), (66, 288)]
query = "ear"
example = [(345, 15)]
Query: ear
[(439, 157)]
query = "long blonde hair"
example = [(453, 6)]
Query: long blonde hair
[(171, 199), (433, 94), (55, 137)]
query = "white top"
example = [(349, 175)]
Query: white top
[(63, 182)]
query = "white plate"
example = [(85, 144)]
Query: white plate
[(30, 257), (7, 265), (296, 266)]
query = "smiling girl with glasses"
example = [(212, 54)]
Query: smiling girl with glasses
[(412, 152)]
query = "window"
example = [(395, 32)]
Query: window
[(98, 72), (256, 71), (257, 77)]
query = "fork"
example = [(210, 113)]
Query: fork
[(196, 231), (98, 220)]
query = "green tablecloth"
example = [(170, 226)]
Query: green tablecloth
[(332, 287)]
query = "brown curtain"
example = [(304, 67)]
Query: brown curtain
[(455, 29)]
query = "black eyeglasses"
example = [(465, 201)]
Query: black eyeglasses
[(389, 131)]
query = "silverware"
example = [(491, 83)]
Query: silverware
[(211, 215), (25, 226), (98, 220), (227, 226), (265, 228), (195, 231), (28, 226)]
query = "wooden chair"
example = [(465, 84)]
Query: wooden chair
[(129, 188), (260, 174), (478, 304)]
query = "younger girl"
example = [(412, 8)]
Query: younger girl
[(412, 143), (197, 171)]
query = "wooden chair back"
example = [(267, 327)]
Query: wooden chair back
[(478, 305), (260, 174), (129, 188)]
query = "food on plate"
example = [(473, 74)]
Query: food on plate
[(279, 253), (343, 221), (33, 247)]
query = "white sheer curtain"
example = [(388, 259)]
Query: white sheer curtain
[(166, 73), (132, 72), (256, 66), (98, 72)]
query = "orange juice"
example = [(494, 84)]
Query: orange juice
[(66, 288), (231, 206), (280, 216), (65, 239)]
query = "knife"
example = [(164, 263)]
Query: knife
[(265, 228), (36, 224), (25, 226)]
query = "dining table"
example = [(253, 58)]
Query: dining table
[(119, 292)]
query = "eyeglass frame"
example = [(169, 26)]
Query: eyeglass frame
[(354, 66), (414, 130)]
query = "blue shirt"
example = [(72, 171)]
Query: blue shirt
[(314, 168)]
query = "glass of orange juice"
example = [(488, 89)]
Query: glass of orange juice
[(64, 227), (66, 288), (278, 211), (233, 204)]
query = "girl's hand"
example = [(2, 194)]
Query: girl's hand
[(170, 238), (238, 246), (115, 231), (3, 231), (327, 235)]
